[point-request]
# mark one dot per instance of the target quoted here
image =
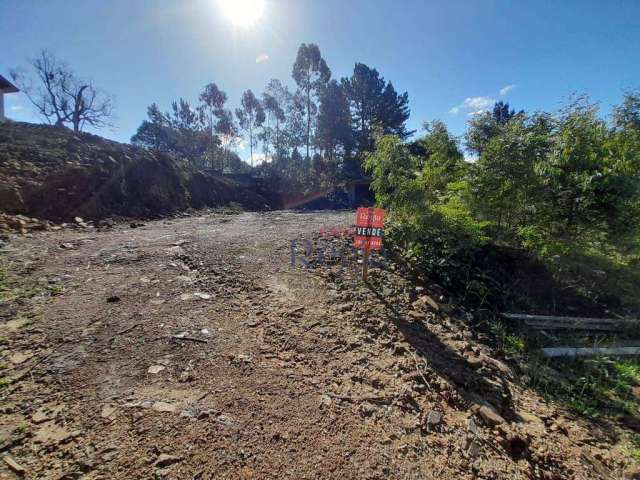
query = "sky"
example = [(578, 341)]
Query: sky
[(452, 57)]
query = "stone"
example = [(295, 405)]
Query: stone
[(163, 407), (164, 460), (51, 433), (40, 415), (325, 401), (344, 307), (20, 357), (153, 369), (13, 465), (434, 419), (108, 411), (490, 416)]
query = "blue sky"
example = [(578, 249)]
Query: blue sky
[(453, 57)]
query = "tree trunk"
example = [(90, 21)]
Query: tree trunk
[(308, 119)]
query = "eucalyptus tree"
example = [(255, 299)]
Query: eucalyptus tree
[(311, 73)]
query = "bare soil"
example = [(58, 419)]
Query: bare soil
[(192, 348)]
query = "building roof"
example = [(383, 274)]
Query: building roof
[(6, 86)]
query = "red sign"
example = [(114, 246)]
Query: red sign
[(369, 223)]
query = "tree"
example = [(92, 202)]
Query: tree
[(334, 121), (180, 132), (227, 131), (271, 129), (62, 98), (502, 114), (481, 128), (250, 116), (505, 182), (211, 110), (310, 73), (627, 115), (155, 133), (375, 103)]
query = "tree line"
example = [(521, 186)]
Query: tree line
[(556, 183), (313, 135)]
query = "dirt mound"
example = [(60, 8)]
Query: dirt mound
[(52, 173)]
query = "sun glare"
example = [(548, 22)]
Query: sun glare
[(243, 13)]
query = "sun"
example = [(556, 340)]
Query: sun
[(242, 13)]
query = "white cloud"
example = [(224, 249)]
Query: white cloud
[(263, 57), (506, 89), (473, 105), (478, 103)]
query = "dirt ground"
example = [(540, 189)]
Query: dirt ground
[(192, 348)]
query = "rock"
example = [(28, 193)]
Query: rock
[(344, 307), (427, 300), (40, 415), (225, 420), (472, 428), (186, 376), (164, 460), (366, 409), (163, 407), (108, 411), (325, 401), (20, 357), (473, 450), (13, 465), (195, 296), (109, 454), (153, 369), (490, 416), (434, 419), (113, 299), (51, 433)]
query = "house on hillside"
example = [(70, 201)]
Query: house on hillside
[(5, 87)]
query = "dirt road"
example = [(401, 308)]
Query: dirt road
[(191, 348)]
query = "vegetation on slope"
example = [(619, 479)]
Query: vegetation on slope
[(53, 173)]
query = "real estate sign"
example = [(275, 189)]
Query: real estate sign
[(369, 228)]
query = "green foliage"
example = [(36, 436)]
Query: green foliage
[(375, 104), (563, 186)]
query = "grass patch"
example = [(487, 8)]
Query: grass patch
[(597, 387), (13, 288), (21, 429)]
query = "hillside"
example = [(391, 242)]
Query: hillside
[(52, 173)]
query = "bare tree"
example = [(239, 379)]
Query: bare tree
[(60, 97)]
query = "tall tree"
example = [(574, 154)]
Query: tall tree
[(375, 103), (250, 116), (334, 121), (271, 129), (227, 131), (310, 73), (61, 97), (211, 108)]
